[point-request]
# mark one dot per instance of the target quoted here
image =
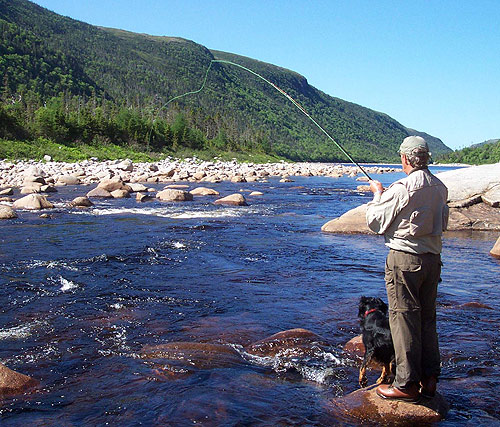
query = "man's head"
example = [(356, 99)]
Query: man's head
[(416, 151)]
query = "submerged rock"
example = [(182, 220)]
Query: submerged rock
[(193, 354), (12, 382), (295, 342), (365, 406)]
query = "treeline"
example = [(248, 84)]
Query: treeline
[(475, 155), (76, 120)]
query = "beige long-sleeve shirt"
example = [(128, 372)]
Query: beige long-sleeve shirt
[(411, 214)]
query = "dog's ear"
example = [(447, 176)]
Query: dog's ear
[(362, 307)]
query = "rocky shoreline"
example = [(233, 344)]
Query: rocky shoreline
[(18, 174)]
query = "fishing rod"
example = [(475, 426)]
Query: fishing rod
[(293, 101)]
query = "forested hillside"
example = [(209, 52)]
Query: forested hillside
[(478, 154), (73, 83)]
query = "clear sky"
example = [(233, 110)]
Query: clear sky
[(432, 65)]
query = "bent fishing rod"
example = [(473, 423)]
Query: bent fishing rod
[(286, 95)]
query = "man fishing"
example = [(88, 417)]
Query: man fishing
[(412, 215)]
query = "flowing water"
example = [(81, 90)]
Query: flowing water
[(85, 293)]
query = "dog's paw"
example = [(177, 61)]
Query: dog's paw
[(363, 382)]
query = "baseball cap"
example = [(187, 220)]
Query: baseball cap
[(411, 143)]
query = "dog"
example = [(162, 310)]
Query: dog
[(377, 338)]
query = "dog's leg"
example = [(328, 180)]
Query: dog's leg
[(363, 381), (386, 369)]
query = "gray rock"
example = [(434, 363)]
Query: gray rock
[(32, 202), (492, 196), (120, 194), (83, 202), (235, 199), (6, 212), (173, 195), (99, 192), (495, 251)]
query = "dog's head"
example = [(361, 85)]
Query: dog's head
[(369, 303)]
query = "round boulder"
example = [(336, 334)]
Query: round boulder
[(204, 191), (81, 202), (235, 199), (32, 202), (99, 192), (173, 195), (353, 221)]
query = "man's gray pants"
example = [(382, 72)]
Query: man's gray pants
[(411, 284)]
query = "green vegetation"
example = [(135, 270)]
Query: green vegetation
[(476, 155), (89, 89)]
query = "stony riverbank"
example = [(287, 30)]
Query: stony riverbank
[(22, 174)]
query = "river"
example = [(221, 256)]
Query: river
[(83, 292)]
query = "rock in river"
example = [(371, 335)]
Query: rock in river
[(295, 342), (12, 382), (33, 202), (235, 199), (6, 212), (366, 407), (172, 195), (495, 251)]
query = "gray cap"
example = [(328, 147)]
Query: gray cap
[(411, 143)]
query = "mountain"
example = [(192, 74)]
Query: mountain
[(486, 152), (71, 81)]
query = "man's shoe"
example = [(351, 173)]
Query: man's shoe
[(390, 392), (428, 388)]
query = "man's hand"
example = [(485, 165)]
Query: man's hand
[(376, 187)]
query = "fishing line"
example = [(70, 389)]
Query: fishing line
[(293, 101)]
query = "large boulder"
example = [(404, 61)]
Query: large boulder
[(173, 195), (81, 202), (68, 180), (113, 184), (6, 212), (495, 251), (366, 407), (235, 199), (12, 382), (353, 221), (204, 191), (100, 192), (32, 202), (464, 183)]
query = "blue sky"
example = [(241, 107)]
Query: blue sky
[(432, 65)]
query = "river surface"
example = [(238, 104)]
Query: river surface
[(84, 292)]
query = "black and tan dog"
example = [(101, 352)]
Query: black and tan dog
[(377, 338)]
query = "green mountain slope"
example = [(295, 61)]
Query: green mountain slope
[(486, 152), (112, 85)]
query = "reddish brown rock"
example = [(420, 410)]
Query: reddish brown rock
[(12, 382), (199, 355), (495, 251), (355, 347), (235, 199), (365, 406), (296, 342)]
